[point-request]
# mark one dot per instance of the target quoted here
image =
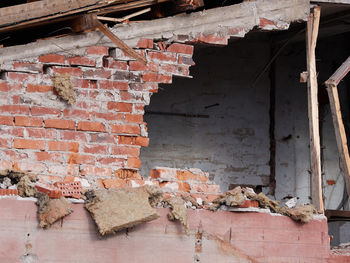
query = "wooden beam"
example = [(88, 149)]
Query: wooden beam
[(118, 20), (345, 2), (340, 134), (17, 13), (312, 90), (339, 74), (120, 44), (102, 9)]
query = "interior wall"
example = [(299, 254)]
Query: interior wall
[(292, 130), (231, 141)]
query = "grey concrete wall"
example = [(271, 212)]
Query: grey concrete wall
[(292, 155), (232, 144)]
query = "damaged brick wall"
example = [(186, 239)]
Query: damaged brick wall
[(103, 130)]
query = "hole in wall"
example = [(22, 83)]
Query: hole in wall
[(216, 121)]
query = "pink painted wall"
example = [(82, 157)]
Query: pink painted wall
[(227, 237)]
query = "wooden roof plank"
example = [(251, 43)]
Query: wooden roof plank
[(24, 12)]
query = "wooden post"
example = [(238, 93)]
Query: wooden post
[(340, 134), (312, 89)]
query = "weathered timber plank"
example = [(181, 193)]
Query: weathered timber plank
[(128, 50), (312, 90), (339, 130), (17, 13), (339, 74)]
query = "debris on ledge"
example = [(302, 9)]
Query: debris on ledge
[(114, 210), (178, 211), (51, 210)]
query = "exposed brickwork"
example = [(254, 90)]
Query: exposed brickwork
[(102, 133)]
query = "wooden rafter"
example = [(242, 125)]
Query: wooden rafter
[(312, 90)]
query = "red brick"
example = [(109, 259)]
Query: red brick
[(127, 174), (73, 136), (52, 58), (21, 77), (38, 88), (134, 118), (60, 124), (97, 50), (63, 146), (119, 106), (125, 129), (4, 86), (175, 69), (27, 66), (70, 189), (98, 73), (40, 111), (110, 85), (83, 61), (6, 120), (155, 77), (249, 203), (102, 138), (14, 131), (4, 192), (91, 126), (29, 144), (110, 116), (145, 43), (75, 72), (115, 64), (81, 159), (5, 143), (48, 157), (96, 171), (187, 175), (181, 48), (14, 109), (162, 56), (82, 114), (41, 133), (48, 189), (114, 183), (95, 149), (111, 161), (134, 162), (28, 121), (133, 140), (137, 66), (213, 39), (125, 150), (125, 95)]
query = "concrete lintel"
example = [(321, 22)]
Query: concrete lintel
[(229, 21)]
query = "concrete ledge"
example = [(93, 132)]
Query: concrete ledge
[(215, 237)]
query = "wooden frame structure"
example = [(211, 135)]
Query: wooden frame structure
[(332, 84)]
